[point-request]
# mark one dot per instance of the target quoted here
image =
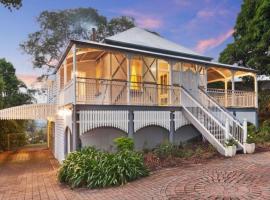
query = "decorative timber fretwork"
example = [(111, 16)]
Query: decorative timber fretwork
[(147, 69), (119, 66), (147, 118), (91, 119)]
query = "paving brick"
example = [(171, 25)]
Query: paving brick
[(30, 174)]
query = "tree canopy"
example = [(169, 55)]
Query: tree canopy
[(11, 3), (11, 94), (46, 45), (251, 46)]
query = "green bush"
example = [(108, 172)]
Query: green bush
[(95, 169), (124, 143), (166, 149)]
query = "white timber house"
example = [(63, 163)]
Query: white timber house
[(140, 85)]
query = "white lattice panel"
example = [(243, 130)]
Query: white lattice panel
[(90, 119), (147, 118), (180, 120)]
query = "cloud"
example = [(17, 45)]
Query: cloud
[(142, 20), (27, 79), (211, 43)]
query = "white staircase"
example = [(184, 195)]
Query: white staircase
[(214, 122)]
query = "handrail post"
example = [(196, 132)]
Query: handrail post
[(227, 129), (256, 90), (128, 77), (226, 93), (171, 63), (233, 89), (245, 131)]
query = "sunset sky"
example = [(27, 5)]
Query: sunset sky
[(205, 26)]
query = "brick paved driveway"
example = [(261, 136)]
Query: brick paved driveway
[(31, 174)]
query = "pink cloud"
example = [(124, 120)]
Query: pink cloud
[(27, 79), (211, 43), (142, 20)]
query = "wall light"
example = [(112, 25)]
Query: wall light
[(64, 112)]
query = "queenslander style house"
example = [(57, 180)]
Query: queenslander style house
[(137, 84)]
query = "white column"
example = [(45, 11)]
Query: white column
[(171, 63), (74, 67), (233, 88), (256, 90), (226, 92), (205, 77), (181, 74), (128, 77)]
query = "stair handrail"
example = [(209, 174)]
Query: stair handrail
[(232, 120), (202, 107), (224, 110), (230, 115)]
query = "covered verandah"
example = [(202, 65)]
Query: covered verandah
[(229, 96)]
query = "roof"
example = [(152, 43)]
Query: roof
[(146, 40), (151, 53)]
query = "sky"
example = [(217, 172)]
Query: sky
[(205, 26)]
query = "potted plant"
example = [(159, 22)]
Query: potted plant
[(250, 144), (230, 147)]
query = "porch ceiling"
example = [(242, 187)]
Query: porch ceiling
[(222, 74)]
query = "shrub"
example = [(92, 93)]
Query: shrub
[(124, 143), (95, 169), (165, 149)]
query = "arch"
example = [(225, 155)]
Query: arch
[(185, 133), (152, 124), (67, 141), (148, 137), (102, 137)]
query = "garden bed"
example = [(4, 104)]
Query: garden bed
[(184, 155)]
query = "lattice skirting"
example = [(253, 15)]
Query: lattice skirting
[(91, 119), (180, 120), (147, 118)]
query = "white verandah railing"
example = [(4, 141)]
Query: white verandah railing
[(118, 92), (233, 98)]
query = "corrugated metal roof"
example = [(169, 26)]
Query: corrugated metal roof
[(138, 37)]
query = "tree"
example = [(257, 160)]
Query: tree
[(46, 45), (251, 46), (11, 3), (11, 95)]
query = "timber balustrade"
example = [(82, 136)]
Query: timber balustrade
[(120, 92), (233, 98)]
